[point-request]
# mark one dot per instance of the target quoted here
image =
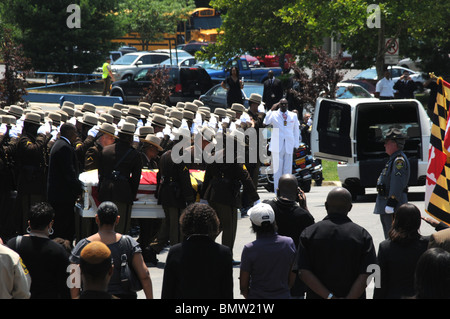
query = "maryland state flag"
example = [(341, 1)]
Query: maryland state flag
[(437, 195)]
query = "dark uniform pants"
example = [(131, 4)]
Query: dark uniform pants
[(228, 222), (125, 217), (170, 229)]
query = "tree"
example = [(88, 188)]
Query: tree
[(322, 82), (297, 25), (49, 41), (160, 88), (151, 19), (254, 27), (12, 86)]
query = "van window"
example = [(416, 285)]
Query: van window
[(333, 127), (374, 121), (334, 119)]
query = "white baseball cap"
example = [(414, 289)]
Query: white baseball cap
[(261, 213)]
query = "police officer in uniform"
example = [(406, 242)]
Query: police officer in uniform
[(8, 188), (30, 161), (392, 185), (106, 136), (87, 135), (221, 190), (119, 174), (174, 192)]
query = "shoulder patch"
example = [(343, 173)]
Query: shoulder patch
[(399, 163), (25, 269)]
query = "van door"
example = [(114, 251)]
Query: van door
[(330, 136)]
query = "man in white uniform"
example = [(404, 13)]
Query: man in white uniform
[(385, 87), (284, 139)]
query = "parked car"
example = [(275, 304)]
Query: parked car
[(193, 47), (252, 61), (396, 72), (189, 83), (131, 63), (273, 61), (369, 86), (181, 62), (218, 73), (180, 54), (410, 64), (352, 91), (117, 54), (217, 95)]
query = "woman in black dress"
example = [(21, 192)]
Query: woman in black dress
[(233, 85)]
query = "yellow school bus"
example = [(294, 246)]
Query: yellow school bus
[(201, 26)]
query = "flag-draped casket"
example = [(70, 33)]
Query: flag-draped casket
[(145, 206)]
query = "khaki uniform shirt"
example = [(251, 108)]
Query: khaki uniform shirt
[(14, 276)]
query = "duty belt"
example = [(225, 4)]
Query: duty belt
[(167, 179)]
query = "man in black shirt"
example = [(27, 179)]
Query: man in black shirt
[(334, 254), (291, 216), (405, 86)]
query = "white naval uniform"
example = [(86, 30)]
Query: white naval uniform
[(284, 139)]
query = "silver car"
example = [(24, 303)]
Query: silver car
[(129, 64)]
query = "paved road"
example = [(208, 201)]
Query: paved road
[(361, 214)]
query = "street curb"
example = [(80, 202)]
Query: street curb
[(330, 183)]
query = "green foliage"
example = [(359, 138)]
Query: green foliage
[(325, 75), (295, 26), (12, 85), (160, 87), (53, 46), (152, 18)]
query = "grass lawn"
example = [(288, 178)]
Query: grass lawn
[(330, 170)]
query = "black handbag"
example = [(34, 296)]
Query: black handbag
[(128, 276)]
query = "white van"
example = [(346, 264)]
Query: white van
[(352, 131)]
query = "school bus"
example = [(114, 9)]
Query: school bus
[(201, 26)]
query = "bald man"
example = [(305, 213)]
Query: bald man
[(285, 138), (292, 217), (335, 253)]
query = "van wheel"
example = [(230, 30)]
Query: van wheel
[(305, 186), (354, 190)]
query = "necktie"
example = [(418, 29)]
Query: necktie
[(285, 118)]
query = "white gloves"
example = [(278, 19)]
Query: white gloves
[(93, 131), (3, 129), (54, 135), (44, 129), (389, 210)]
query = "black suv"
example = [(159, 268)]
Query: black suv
[(189, 83)]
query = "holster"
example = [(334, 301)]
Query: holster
[(381, 189)]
